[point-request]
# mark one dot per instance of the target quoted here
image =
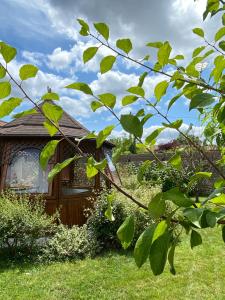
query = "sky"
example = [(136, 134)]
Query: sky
[(46, 34)]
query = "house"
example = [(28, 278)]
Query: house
[(70, 192)]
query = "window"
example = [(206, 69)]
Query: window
[(24, 174), (74, 178)]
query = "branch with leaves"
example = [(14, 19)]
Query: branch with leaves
[(205, 93)]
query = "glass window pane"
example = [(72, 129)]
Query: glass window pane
[(24, 174)]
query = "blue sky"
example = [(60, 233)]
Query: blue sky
[(46, 34)]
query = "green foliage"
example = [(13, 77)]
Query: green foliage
[(164, 54), (103, 134), (199, 32), (93, 166), (5, 89), (108, 99), (160, 89), (80, 86), (89, 53), (47, 152), (7, 106), (50, 96), (22, 223), (69, 243), (143, 244), (168, 177), (132, 125), (125, 45), (59, 166), (28, 71), (8, 53), (103, 29), (107, 63), (125, 232)]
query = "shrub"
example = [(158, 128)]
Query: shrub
[(70, 243), (167, 178), (22, 223), (104, 230)]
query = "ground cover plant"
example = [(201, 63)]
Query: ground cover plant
[(200, 275), (204, 91)]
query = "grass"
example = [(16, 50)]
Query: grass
[(200, 275)]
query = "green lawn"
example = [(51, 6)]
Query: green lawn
[(201, 275)]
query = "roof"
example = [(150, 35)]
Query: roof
[(32, 125), (2, 123)]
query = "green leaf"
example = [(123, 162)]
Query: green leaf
[(95, 105), (201, 100), (89, 53), (132, 125), (8, 52), (177, 198), (196, 239), (129, 99), (126, 231), (174, 99), (198, 50), (2, 72), (93, 167), (52, 112), (142, 78), (220, 33), (179, 57), (124, 44), (146, 118), (193, 215), (84, 27), (91, 171), (171, 259), (211, 218), (143, 245), (201, 175), (7, 106), (223, 233), (52, 130), (158, 253), (175, 160), (80, 86), (25, 113), (47, 152), (59, 167), (164, 54), (107, 63), (219, 200), (5, 89), (153, 135), (157, 206), (161, 89), (222, 45), (103, 29), (137, 90), (103, 134), (108, 99), (160, 229), (223, 19), (28, 71), (199, 32), (108, 212), (50, 96), (155, 44), (176, 124)]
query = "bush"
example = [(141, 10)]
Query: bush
[(70, 243), (167, 178), (22, 223), (104, 230)]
